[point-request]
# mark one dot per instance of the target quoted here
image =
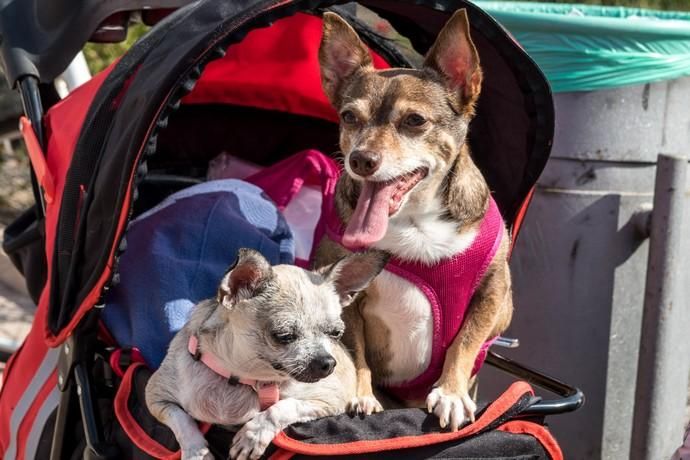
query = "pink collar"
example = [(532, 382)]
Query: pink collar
[(268, 392)]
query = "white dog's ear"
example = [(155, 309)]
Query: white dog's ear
[(353, 273), (244, 278), (455, 58), (341, 54)]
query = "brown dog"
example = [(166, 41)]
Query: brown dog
[(412, 189)]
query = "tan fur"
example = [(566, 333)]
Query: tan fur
[(377, 338), (375, 109)]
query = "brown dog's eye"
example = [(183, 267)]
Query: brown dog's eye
[(414, 120), (348, 117)]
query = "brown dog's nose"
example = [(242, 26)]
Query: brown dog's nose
[(364, 162)]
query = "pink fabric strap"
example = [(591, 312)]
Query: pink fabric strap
[(268, 392), (282, 181)]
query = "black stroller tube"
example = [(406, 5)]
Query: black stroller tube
[(66, 398), (571, 399)]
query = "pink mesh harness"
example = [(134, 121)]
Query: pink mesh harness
[(448, 285)]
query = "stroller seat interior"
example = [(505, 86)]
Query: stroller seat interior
[(220, 90)]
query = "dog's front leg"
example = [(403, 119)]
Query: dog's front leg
[(191, 441), (364, 402), (488, 314), (255, 436)]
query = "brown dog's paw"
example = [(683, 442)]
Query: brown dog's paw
[(453, 410), (364, 405)]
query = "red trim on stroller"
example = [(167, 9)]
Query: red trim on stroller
[(131, 427), (507, 400), (539, 432), (135, 432), (519, 218)]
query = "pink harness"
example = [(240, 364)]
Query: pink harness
[(448, 285), (268, 392)]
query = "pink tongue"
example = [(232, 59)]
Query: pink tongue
[(369, 222)]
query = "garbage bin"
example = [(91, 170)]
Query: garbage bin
[(622, 97)]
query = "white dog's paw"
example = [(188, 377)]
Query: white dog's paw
[(364, 405), (252, 440), (197, 453), (452, 410)]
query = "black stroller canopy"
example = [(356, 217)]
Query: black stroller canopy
[(510, 136), (42, 36)]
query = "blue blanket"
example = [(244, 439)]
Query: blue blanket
[(177, 253)]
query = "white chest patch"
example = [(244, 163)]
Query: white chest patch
[(425, 236), (401, 305), (406, 312)]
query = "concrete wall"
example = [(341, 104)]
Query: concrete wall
[(579, 265)]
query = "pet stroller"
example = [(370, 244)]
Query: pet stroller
[(210, 76)]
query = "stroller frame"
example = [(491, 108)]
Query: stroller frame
[(31, 73)]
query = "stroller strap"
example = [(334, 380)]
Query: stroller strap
[(38, 160)]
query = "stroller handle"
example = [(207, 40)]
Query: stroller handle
[(571, 398)]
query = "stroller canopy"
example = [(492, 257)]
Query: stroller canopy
[(216, 53)]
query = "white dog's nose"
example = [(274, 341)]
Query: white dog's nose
[(322, 365)]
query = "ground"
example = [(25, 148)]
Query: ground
[(16, 308)]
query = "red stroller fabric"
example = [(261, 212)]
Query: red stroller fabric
[(274, 68), (29, 392)]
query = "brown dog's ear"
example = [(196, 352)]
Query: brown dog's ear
[(244, 278), (455, 57), (341, 54), (353, 273)]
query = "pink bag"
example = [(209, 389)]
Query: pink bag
[(297, 185)]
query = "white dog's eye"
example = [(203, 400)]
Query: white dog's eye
[(336, 333), (284, 338)]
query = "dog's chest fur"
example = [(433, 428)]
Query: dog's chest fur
[(402, 351), (425, 236), (210, 398)]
